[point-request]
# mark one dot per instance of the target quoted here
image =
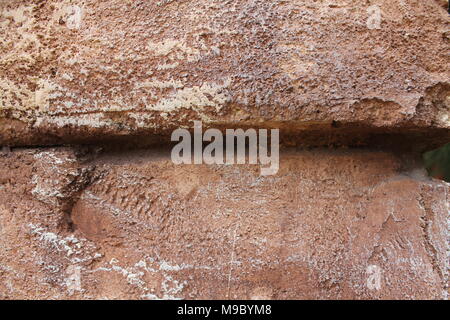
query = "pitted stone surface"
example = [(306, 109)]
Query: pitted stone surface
[(330, 224), (80, 70), (118, 220)]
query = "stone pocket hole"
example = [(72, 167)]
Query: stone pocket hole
[(437, 162)]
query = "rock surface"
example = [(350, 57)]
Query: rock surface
[(330, 224), (91, 207), (77, 71)]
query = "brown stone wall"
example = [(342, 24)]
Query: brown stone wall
[(92, 207), (135, 225)]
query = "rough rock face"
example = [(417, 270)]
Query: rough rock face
[(83, 70), (330, 224), (351, 214)]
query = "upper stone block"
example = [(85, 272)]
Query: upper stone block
[(82, 70)]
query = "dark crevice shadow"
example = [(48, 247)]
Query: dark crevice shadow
[(437, 162)]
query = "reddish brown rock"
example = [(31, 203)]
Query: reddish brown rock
[(116, 221), (331, 224), (78, 71)]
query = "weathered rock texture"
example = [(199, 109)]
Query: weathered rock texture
[(137, 226), (74, 71), (80, 219)]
